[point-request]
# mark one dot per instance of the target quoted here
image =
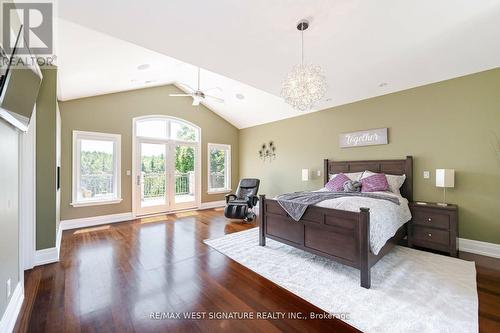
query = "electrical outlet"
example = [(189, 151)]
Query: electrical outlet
[(9, 290), (427, 175), (318, 173), (129, 173)]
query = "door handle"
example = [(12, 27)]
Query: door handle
[(138, 181)]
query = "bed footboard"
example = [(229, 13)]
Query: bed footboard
[(339, 235)]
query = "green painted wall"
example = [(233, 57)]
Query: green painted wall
[(451, 124), (9, 197), (9, 217), (46, 149), (113, 113)]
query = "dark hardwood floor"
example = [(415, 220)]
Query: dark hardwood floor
[(111, 278)]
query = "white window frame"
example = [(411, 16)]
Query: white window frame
[(116, 139), (168, 122), (227, 168)]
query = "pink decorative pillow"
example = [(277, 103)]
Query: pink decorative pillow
[(337, 184), (376, 182)]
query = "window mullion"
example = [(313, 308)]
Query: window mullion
[(167, 127)]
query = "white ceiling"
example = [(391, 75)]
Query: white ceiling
[(359, 43), (91, 63)]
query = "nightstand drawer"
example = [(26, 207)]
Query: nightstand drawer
[(423, 234), (434, 226), (429, 218)]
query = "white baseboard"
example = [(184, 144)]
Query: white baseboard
[(50, 255), (212, 204), (11, 313), (59, 237), (46, 256), (95, 220), (114, 218), (477, 247)]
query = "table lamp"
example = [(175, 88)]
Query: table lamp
[(445, 178)]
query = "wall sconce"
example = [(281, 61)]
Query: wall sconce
[(305, 175), (268, 151)]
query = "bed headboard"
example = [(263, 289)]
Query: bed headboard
[(392, 167)]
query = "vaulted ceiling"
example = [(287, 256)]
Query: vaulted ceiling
[(366, 47)]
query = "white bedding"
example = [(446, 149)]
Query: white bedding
[(385, 217)]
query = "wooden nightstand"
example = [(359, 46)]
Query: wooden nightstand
[(434, 227)]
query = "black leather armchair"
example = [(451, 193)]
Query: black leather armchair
[(240, 204)]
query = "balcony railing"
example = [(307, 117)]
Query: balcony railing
[(101, 185), (154, 185), (182, 183), (217, 180), (96, 186)]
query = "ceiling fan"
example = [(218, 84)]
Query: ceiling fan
[(197, 94)]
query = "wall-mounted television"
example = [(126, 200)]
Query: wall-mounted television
[(19, 86)]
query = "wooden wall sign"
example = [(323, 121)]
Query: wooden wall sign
[(377, 136)]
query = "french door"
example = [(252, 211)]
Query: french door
[(165, 177)]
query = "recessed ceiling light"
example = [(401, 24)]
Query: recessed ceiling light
[(133, 80), (328, 99), (143, 67), (240, 96), (382, 84), (149, 81)]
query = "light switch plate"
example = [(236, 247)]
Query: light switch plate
[(128, 173), (319, 173), (427, 174)]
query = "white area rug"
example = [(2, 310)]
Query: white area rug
[(412, 291)]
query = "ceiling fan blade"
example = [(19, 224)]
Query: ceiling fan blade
[(180, 95), (196, 101), (217, 99)]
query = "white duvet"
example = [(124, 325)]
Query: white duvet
[(385, 217)]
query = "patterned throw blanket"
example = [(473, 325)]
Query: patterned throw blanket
[(295, 204)]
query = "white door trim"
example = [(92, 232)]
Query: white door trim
[(198, 150), (197, 171), (27, 196), (137, 161)]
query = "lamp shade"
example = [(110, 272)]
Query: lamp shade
[(445, 178), (305, 175)]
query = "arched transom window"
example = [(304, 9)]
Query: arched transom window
[(167, 128)]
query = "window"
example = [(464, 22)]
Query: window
[(96, 168), (183, 132), (167, 129), (152, 128), (219, 168)]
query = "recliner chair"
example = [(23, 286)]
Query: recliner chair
[(240, 204)]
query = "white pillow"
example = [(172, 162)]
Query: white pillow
[(354, 176), (395, 181)]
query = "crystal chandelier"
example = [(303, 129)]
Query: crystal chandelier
[(305, 84)]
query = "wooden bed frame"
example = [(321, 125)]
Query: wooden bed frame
[(339, 235)]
